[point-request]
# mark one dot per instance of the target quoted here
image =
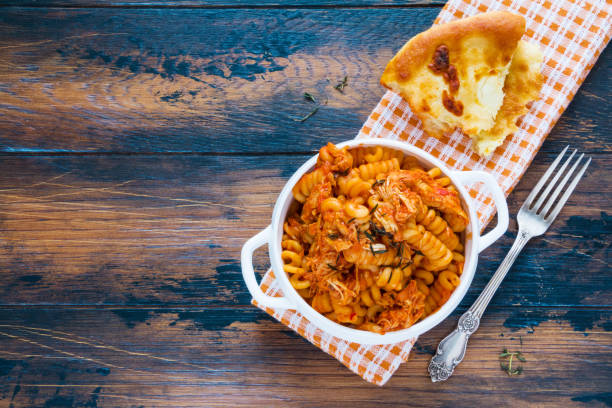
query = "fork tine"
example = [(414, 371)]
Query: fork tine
[(552, 183), (567, 193), (543, 179), (559, 188)]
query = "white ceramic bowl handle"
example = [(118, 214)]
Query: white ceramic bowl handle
[(248, 272), (499, 199)]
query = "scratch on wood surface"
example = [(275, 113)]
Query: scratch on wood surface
[(582, 237), (110, 190), (79, 190), (133, 398), (165, 400), (69, 385), (99, 209), (96, 344), (21, 355), (38, 183), (187, 200), (148, 220), (23, 339), (576, 250), (572, 235), (29, 74), (72, 37), (592, 95), (93, 360), (101, 394)]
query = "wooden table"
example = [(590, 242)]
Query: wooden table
[(143, 143)]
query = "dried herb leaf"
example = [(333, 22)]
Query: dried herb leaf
[(373, 209), (333, 236), (332, 267), (310, 97), (509, 356), (315, 110), (379, 231), (340, 85)]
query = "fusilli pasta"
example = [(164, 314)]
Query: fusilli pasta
[(375, 240)]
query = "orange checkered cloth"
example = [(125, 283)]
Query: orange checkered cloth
[(572, 34)]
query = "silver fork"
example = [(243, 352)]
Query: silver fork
[(534, 218)]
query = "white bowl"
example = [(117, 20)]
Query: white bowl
[(474, 244)]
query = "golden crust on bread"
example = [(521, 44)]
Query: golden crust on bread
[(522, 86), (480, 49)]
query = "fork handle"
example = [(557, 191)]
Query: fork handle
[(451, 350)]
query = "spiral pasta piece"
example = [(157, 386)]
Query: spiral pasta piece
[(430, 304), (373, 154), (369, 326), (335, 159), (371, 170), (371, 295), (292, 257), (331, 204), (293, 260), (448, 238), (321, 302), (448, 280), (425, 276), (359, 154), (304, 186), (351, 313), (436, 174), (359, 213), (390, 278), (292, 228), (353, 185), (437, 255), (437, 226), (365, 256), (432, 221)]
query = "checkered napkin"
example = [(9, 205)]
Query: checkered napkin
[(571, 34)]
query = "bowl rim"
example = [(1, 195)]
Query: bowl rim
[(472, 235)]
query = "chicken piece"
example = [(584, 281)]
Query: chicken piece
[(343, 288), (407, 308), (406, 203), (337, 160), (433, 195), (312, 205)]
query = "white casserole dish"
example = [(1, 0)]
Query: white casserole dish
[(474, 244)]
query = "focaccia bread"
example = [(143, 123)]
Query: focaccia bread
[(522, 86), (453, 74)]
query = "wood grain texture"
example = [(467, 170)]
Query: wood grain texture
[(168, 231), (142, 143), (132, 80), (124, 357), (226, 4)]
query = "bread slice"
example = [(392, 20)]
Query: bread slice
[(452, 75), (522, 86)]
